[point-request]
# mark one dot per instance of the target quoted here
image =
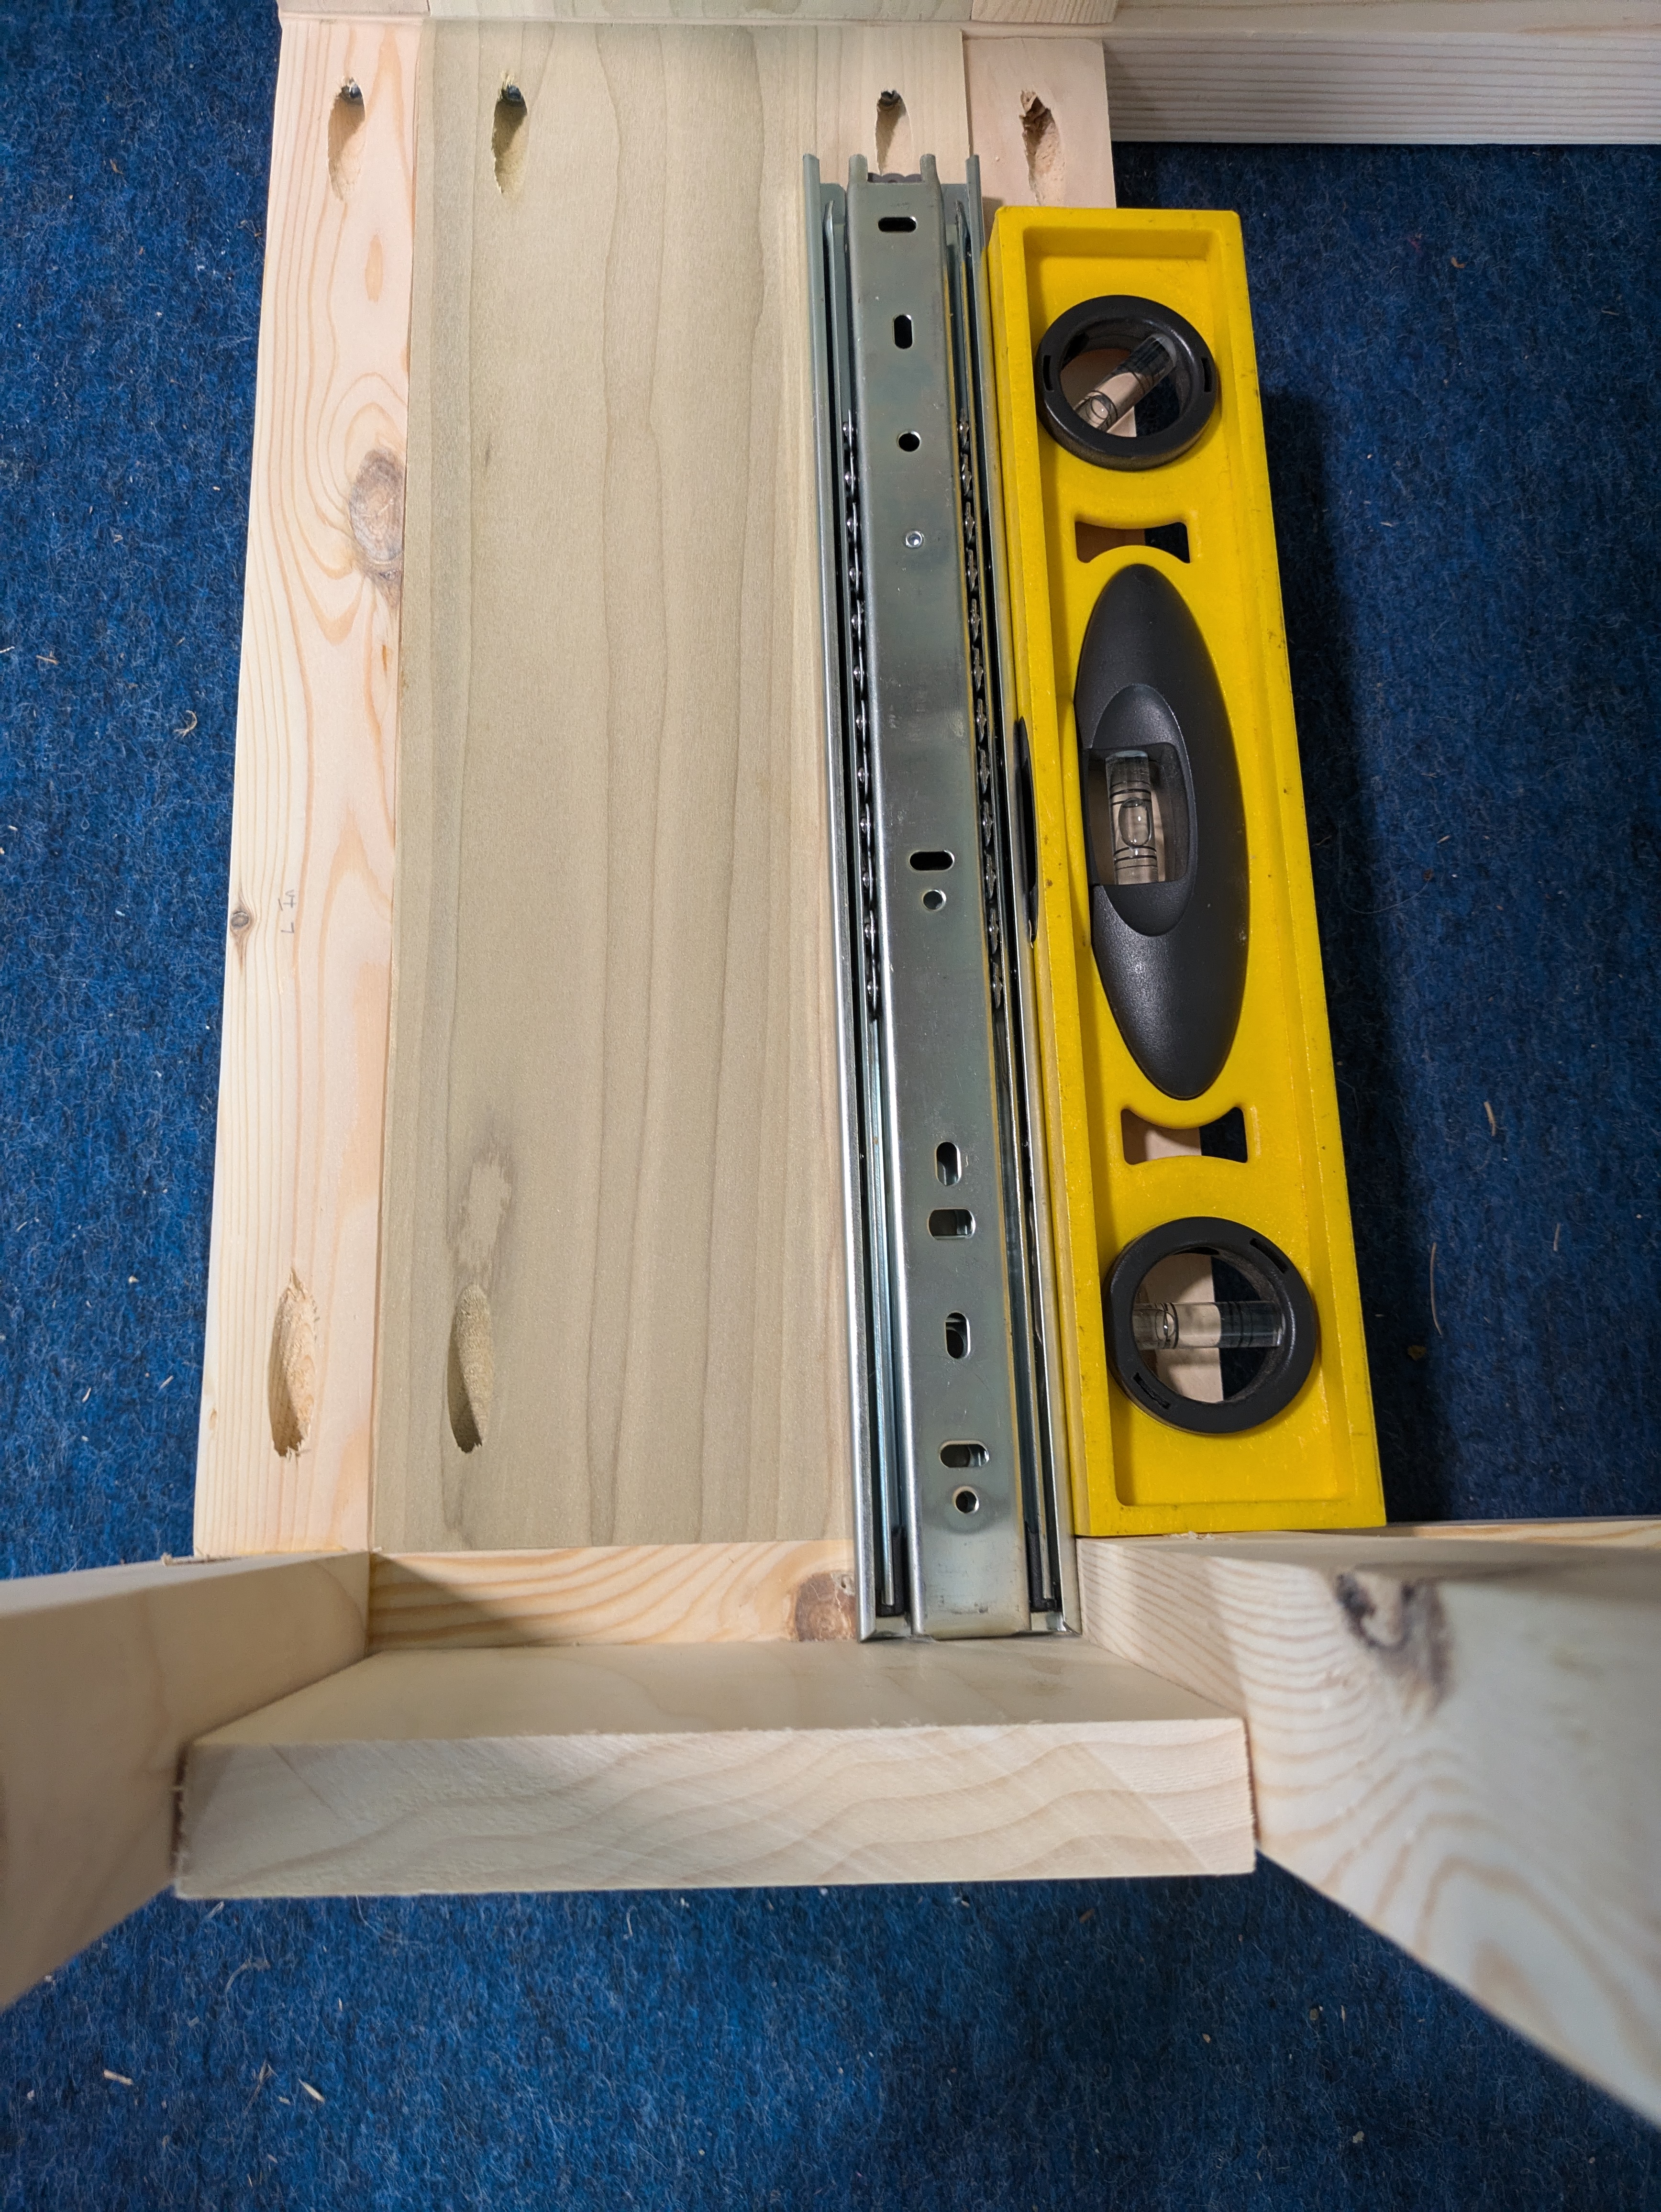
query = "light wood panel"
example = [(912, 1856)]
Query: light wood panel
[(105, 1677), (288, 1375), (1632, 1535), (1037, 118), (774, 1763), (1340, 74), (1460, 1740), (704, 11), (631, 1594), (1039, 14), (612, 1118)]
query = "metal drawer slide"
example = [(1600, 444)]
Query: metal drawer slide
[(961, 1517)]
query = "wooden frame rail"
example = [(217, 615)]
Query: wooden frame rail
[(105, 1677), (1458, 1739)]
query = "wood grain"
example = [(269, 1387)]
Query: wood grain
[(1344, 75), (1035, 14), (1458, 1740), (642, 1767), (105, 1676), (631, 1594), (613, 1110), (1634, 1536), (1037, 118), (287, 1379), (714, 12)]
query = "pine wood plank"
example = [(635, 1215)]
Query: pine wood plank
[(1634, 1536), (714, 12), (612, 1190), (1343, 75), (642, 1767), (1458, 1739), (1037, 118), (105, 1677), (631, 1594), (284, 1452), (1052, 14)]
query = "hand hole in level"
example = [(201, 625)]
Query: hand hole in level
[(902, 333), (950, 1221), (949, 1164), (957, 1336), (933, 861), (964, 1454)]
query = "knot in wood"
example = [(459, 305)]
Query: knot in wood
[(1404, 1626), (375, 508), (825, 1610)]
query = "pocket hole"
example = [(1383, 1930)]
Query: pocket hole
[(1041, 136), (966, 1500), (470, 1381), (902, 333), (907, 441), (949, 1164), (893, 150), (957, 1336), (346, 120), (934, 862), (934, 900), (950, 1221), (291, 1374), (507, 141)]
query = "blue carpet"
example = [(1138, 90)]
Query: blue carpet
[(1455, 349)]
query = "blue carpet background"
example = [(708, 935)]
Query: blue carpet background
[(1455, 348)]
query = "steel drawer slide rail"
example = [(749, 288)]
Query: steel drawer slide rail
[(960, 1516)]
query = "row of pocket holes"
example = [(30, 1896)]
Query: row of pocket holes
[(1039, 135), (509, 139)]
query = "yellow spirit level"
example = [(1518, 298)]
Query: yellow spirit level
[(1190, 1115)]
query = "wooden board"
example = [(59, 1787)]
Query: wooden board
[(105, 1677), (1342, 74), (712, 12), (1632, 1535), (633, 1594), (611, 1177), (287, 1370), (1460, 1740), (643, 1767), (1037, 118)]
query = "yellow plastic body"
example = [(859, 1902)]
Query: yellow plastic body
[(1315, 1465)]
